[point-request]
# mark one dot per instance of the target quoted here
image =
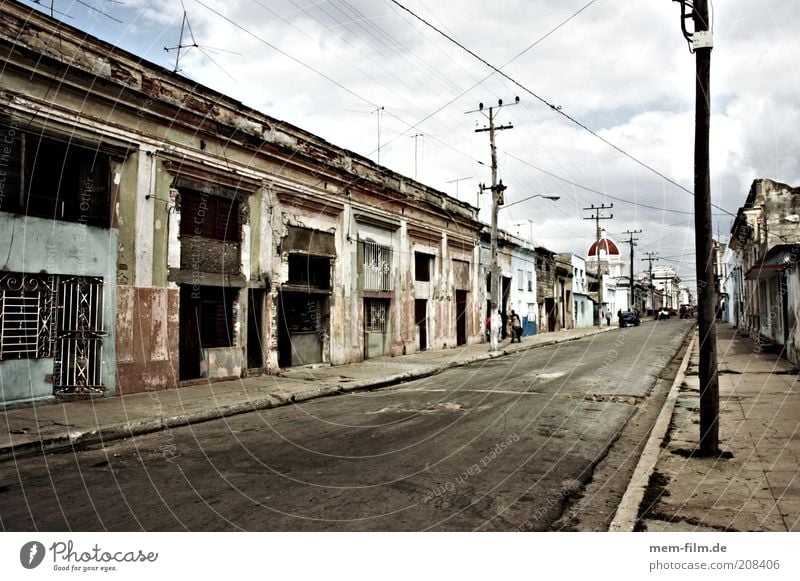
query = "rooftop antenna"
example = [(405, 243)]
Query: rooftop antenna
[(186, 25), (379, 110), (414, 137)]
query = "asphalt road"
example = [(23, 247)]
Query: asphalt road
[(507, 444)]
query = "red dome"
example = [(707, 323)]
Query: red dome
[(605, 244)]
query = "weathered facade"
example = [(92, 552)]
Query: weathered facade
[(523, 285), (766, 237), (202, 239), (582, 315), (545, 289)]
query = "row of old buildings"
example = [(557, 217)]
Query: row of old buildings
[(757, 271), (158, 233)]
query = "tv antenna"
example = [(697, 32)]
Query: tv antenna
[(186, 25)]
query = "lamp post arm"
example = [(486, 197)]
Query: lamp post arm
[(553, 198)]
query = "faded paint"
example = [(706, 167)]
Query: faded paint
[(221, 363), (146, 179), (144, 365), (318, 185), (35, 245)]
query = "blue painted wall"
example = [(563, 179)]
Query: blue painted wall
[(38, 245)]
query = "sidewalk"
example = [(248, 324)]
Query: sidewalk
[(758, 488), (50, 427)]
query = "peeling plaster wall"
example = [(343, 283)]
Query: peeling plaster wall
[(37, 245), (169, 125), (147, 339)]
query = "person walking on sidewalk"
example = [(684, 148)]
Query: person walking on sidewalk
[(516, 327), (608, 317)]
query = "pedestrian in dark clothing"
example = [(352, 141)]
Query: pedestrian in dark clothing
[(608, 317), (516, 327)]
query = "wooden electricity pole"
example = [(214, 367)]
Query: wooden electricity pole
[(632, 241), (651, 256), (497, 200), (701, 43)]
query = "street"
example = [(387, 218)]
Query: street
[(504, 445)]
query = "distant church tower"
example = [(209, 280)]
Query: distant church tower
[(604, 254)]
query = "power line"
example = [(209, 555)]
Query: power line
[(556, 108)]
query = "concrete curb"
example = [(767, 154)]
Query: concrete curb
[(627, 514), (120, 431)]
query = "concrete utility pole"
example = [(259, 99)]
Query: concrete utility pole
[(701, 43), (597, 217), (709, 381), (632, 241), (651, 256), (497, 200)]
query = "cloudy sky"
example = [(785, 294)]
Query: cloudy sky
[(364, 73)]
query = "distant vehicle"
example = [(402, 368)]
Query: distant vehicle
[(629, 318), (663, 313), (686, 312)]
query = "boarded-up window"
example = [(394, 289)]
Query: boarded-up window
[(461, 274), (216, 316), (54, 178), (209, 216)]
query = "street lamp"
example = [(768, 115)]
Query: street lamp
[(546, 197)]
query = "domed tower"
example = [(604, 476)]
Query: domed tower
[(605, 256)]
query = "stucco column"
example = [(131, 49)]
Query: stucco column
[(145, 209)]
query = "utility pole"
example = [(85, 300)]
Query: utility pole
[(632, 241), (701, 43), (497, 189), (597, 215), (651, 256)]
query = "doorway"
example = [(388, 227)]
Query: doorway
[(421, 321), (550, 309), (255, 337), (461, 317)]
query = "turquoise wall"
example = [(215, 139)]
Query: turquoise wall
[(37, 245)]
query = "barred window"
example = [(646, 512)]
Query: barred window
[(26, 315), (375, 313), (376, 262)]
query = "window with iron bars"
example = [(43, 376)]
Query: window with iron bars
[(375, 313), (26, 316), (376, 265)]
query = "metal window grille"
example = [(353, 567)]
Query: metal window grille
[(377, 266), (376, 314), (79, 349), (26, 315)]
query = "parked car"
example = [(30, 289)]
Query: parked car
[(629, 318), (662, 314)]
